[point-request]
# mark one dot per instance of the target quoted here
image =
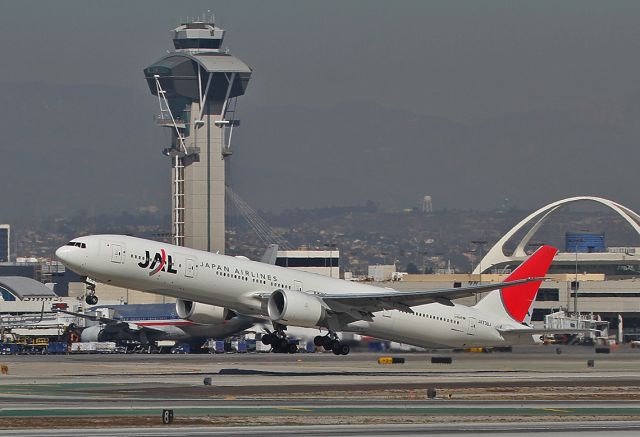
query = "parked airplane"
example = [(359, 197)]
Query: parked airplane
[(209, 285), (148, 323)]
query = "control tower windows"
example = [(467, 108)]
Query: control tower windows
[(197, 43)]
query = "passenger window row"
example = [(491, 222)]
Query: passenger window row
[(255, 281), (443, 319)]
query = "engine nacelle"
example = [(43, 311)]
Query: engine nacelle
[(293, 307), (202, 313), (92, 333)]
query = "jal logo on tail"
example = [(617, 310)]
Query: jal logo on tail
[(161, 262)]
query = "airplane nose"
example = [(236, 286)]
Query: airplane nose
[(63, 254)]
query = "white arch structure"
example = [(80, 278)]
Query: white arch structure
[(496, 254)]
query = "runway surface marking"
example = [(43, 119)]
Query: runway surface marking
[(294, 409), (557, 410)]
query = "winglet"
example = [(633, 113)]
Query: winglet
[(518, 300)]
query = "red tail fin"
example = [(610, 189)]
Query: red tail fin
[(517, 300)]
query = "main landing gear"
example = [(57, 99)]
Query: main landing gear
[(330, 342), (90, 298), (279, 342)]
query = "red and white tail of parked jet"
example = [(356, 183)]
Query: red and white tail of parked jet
[(204, 282)]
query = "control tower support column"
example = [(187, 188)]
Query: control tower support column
[(197, 85)]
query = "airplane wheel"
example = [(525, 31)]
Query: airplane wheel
[(337, 348), (283, 344), (318, 340), (293, 348), (344, 349), (327, 343), (91, 299), (266, 339)]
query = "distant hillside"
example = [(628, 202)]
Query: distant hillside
[(79, 148), (97, 149), (348, 154)]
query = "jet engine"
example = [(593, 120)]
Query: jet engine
[(92, 333), (293, 307), (202, 313)]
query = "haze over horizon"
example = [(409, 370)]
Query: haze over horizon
[(469, 102)]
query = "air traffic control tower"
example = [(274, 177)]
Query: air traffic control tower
[(197, 85)]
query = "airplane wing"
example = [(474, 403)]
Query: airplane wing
[(103, 320), (404, 300), (112, 322)]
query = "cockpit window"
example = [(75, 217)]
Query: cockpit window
[(77, 244)]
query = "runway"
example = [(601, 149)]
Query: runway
[(614, 429), (539, 385)]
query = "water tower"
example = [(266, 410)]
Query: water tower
[(197, 85), (426, 205)]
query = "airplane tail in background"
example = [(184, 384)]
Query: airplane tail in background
[(516, 302)]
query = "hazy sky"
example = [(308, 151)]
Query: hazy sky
[(457, 59), (488, 99)]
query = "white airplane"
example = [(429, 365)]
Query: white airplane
[(208, 285)]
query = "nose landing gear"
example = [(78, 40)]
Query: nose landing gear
[(90, 298)]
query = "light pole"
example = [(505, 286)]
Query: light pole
[(576, 286), (479, 245), (384, 257)]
